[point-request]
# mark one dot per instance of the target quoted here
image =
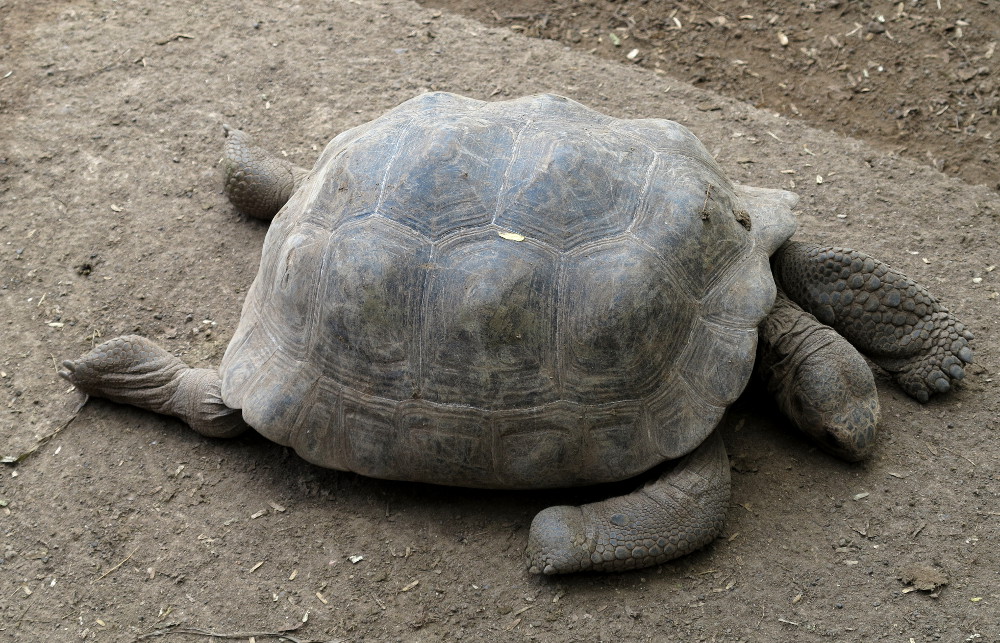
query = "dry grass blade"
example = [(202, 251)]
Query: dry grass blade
[(173, 37), (281, 635), (21, 457), (112, 570)]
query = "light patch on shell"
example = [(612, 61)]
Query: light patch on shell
[(511, 236), (743, 218)]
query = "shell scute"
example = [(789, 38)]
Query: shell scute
[(597, 197), (469, 157), (620, 309), (488, 325), (368, 304)]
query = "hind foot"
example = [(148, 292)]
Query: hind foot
[(129, 370), (257, 182), (133, 370)]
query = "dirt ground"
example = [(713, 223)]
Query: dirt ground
[(119, 525), (918, 77)]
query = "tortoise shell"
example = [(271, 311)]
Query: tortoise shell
[(513, 294)]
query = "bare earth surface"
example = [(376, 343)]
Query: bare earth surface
[(125, 526), (919, 78)]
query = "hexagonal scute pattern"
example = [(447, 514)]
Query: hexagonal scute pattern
[(515, 294), (597, 196), (488, 326)]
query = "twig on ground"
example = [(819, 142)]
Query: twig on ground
[(176, 36), (282, 635), (9, 459), (110, 571)]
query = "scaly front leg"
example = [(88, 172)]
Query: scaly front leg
[(681, 511), (882, 312)]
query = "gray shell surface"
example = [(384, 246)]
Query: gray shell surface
[(515, 294)]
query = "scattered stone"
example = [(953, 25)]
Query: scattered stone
[(924, 578)]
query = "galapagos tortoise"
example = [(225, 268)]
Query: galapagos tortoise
[(527, 294)]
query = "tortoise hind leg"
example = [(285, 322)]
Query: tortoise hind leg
[(257, 182), (681, 511), (883, 313), (133, 370)]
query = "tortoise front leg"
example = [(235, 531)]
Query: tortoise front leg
[(681, 511), (133, 370), (257, 182), (883, 313)]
